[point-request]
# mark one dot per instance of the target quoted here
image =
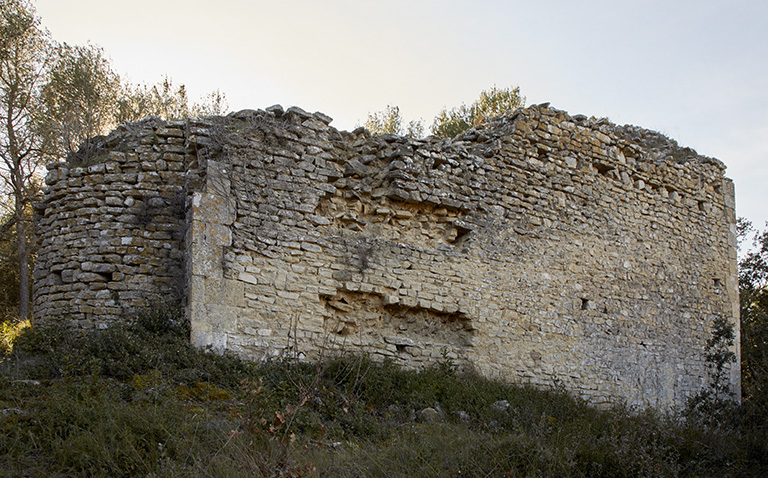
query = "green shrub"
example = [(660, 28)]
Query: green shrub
[(10, 330), (156, 340)]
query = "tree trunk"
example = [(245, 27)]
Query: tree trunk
[(23, 64), (21, 237)]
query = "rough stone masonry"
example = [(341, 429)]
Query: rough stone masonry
[(539, 247)]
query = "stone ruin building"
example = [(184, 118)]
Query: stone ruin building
[(539, 247)]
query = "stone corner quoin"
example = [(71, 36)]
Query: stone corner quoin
[(539, 247)]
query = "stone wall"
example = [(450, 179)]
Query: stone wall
[(539, 247), (110, 231)]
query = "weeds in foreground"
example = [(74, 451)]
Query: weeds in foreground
[(9, 332), (139, 401)]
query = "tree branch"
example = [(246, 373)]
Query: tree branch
[(8, 225)]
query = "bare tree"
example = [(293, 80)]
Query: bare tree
[(389, 121), (23, 52), (167, 101)]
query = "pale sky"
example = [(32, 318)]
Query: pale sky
[(695, 70)]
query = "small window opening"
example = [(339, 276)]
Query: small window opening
[(438, 162), (460, 234), (584, 304), (344, 331), (718, 282), (603, 169), (106, 275), (462, 230), (400, 348)]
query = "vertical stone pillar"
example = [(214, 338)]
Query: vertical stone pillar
[(732, 283), (212, 300)]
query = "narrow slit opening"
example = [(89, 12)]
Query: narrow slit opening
[(106, 275)]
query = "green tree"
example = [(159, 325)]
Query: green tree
[(389, 121), (753, 298), (83, 97), (9, 267), (80, 98), (9, 258), (24, 49), (493, 102)]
